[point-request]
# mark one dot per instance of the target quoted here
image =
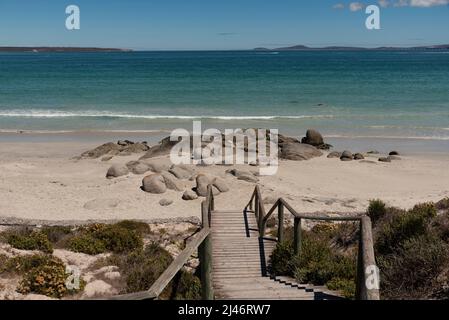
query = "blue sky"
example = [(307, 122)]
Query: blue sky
[(222, 24)]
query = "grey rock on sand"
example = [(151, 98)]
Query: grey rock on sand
[(137, 167), (181, 172), (202, 181), (189, 195), (384, 159), (106, 158), (220, 184), (101, 150), (243, 175), (157, 165), (154, 183), (165, 202), (346, 156), (358, 156), (163, 148), (314, 138), (393, 153), (117, 171), (334, 154), (299, 151), (98, 288), (171, 181)]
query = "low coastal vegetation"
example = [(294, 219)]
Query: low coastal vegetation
[(411, 246), (137, 254)]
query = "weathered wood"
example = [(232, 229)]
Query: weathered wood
[(205, 256), (280, 222), (369, 278), (160, 284), (297, 242)]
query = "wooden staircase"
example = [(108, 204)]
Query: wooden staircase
[(240, 261)]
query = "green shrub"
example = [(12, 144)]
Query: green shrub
[(45, 275), (403, 226), (346, 286), (377, 209), (443, 204), (86, 243), (99, 238), (27, 239), (440, 225), (140, 227), (411, 271), (142, 267), (281, 258), (186, 286), (56, 233)]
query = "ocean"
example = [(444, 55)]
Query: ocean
[(365, 94)]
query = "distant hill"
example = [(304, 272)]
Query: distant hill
[(60, 49), (343, 48)]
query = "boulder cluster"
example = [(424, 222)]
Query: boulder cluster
[(110, 149), (349, 156)]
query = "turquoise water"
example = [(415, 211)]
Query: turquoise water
[(353, 94)]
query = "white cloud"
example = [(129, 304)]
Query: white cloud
[(428, 3), (356, 6), (339, 6)]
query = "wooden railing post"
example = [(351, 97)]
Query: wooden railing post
[(205, 256), (261, 222), (297, 236), (367, 272), (281, 221), (257, 208)]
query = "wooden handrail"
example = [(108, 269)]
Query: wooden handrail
[(202, 242), (367, 272)]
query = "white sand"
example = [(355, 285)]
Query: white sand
[(40, 181)]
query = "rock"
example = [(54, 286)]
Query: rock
[(141, 168), (393, 153), (101, 150), (220, 184), (157, 165), (98, 288), (117, 171), (298, 152), (202, 181), (106, 158), (394, 158), (314, 138), (165, 202), (154, 183), (358, 156), (99, 204), (137, 167), (346, 156), (248, 178), (189, 195), (384, 159), (171, 182), (136, 148), (163, 148), (181, 172), (122, 143), (334, 154), (113, 275), (373, 152)]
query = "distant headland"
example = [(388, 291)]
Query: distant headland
[(343, 48), (61, 49)]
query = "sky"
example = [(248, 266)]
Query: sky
[(222, 24)]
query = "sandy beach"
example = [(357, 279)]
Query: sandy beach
[(43, 180)]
